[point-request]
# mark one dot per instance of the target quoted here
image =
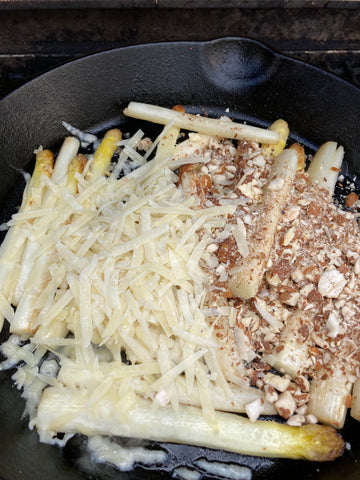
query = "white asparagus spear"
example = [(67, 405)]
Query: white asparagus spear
[(6, 311), (355, 407), (166, 150), (38, 279), (12, 248), (104, 153), (28, 287), (196, 123), (294, 341), (329, 395), (167, 144), (282, 128), (236, 403), (70, 411), (67, 152), (325, 166), (76, 165), (75, 376), (246, 278), (22, 322)]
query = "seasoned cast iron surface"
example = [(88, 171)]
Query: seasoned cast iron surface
[(258, 86)]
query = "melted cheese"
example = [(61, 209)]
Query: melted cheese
[(225, 470), (103, 450)]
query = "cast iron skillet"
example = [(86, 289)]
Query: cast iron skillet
[(257, 85)]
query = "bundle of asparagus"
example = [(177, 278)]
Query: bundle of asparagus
[(94, 265)]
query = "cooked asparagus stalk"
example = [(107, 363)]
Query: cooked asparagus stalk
[(166, 150), (196, 123), (6, 311), (246, 280), (167, 144), (25, 314), (33, 277), (355, 407), (301, 155), (29, 287), (104, 154), (44, 165), (236, 403), (329, 396), (12, 248), (70, 411), (273, 150), (77, 165), (34, 269), (294, 345), (74, 376), (68, 151), (326, 164)]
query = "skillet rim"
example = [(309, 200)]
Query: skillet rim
[(260, 43)]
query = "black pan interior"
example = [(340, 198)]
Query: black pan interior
[(257, 85)]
